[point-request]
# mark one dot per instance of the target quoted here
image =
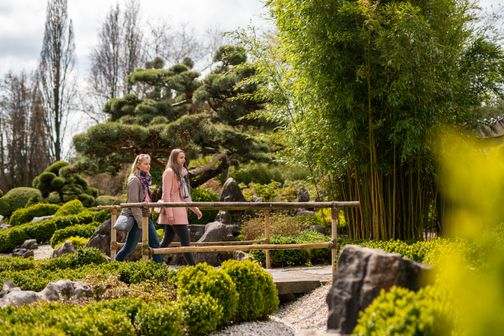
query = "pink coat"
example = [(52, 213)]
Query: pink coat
[(171, 193)]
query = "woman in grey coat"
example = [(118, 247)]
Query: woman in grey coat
[(139, 191)]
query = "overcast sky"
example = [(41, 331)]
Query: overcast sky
[(22, 23)]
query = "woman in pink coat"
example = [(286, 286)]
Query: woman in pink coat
[(176, 189)]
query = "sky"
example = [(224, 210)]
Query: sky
[(22, 23)]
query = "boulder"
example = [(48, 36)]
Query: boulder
[(65, 290), (18, 298), (66, 247), (30, 244), (362, 273), (101, 237), (215, 232), (22, 252), (231, 192), (303, 195), (41, 218)]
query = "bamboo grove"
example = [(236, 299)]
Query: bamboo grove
[(370, 84)]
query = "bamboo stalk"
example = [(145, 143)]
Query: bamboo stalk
[(267, 237), (334, 237), (183, 249), (113, 234), (145, 238)]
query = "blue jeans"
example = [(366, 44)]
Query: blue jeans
[(132, 239)]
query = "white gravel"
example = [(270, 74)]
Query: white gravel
[(307, 316)]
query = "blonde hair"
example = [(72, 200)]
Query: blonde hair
[(139, 159), (173, 163)]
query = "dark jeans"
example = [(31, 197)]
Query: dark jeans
[(132, 239), (182, 231)]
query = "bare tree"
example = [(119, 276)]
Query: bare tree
[(132, 42), (55, 73), (23, 137)]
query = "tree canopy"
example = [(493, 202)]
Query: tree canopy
[(172, 107), (367, 85)]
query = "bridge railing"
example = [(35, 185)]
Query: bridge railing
[(221, 246)]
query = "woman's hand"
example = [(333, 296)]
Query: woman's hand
[(198, 213)]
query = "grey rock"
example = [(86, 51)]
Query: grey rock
[(101, 237), (65, 290), (67, 247), (22, 252), (215, 232), (303, 195), (196, 231), (4, 226), (362, 273), (231, 192), (41, 218), (7, 287), (318, 228), (30, 244), (18, 298)]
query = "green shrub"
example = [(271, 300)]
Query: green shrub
[(403, 312), (202, 278), (203, 195), (72, 207), (80, 230), (159, 319), (128, 306), (84, 256), (25, 215), (17, 198), (4, 207), (258, 296), (1, 193), (107, 200), (16, 263), (202, 313), (257, 173), (77, 242), (142, 270)]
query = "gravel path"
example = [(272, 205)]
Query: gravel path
[(307, 316)]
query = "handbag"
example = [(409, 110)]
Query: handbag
[(124, 223)]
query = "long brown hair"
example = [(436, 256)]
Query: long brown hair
[(172, 162)]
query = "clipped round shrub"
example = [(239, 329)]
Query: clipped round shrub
[(53, 198), (79, 230), (72, 207), (77, 242), (129, 306), (4, 207), (21, 329), (202, 313), (17, 198), (258, 296), (1, 193), (258, 173), (56, 166), (107, 200), (87, 200), (159, 319), (404, 312), (203, 278), (84, 256), (203, 195), (101, 216), (25, 215)]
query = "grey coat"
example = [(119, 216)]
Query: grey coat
[(135, 195)]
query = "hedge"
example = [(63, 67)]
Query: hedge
[(258, 295), (41, 231), (403, 312), (16, 198), (202, 278), (25, 215), (72, 207), (79, 230)]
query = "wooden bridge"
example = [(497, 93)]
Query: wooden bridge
[(263, 244)]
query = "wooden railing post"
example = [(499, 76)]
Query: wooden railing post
[(145, 237), (113, 234), (334, 237), (267, 237)]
